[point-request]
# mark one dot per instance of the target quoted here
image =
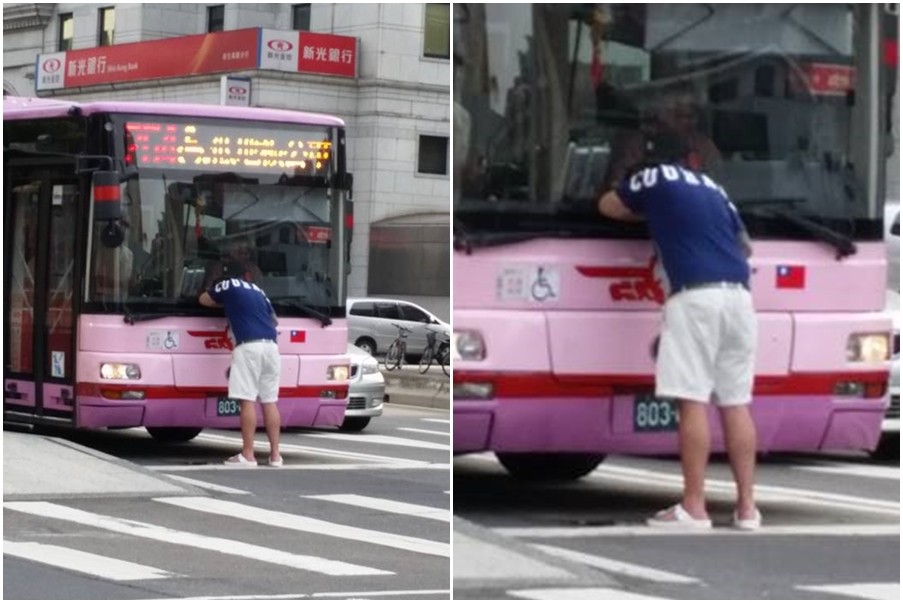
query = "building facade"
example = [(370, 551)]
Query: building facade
[(396, 109)]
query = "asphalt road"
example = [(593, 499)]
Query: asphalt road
[(831, 531), (361, 515)]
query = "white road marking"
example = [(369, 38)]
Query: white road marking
[(616, 567), (869, 471), (389, 506), (577, 594), (362, 594), (307, 524), (766, 530), (218, 545), (763, 493), (309, 450), (304, 467), (889, 591), (426, 431), (107, 568), (378, 439), (446, 421), (207, 485)]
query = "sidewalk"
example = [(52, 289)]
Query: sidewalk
[(406, 386), (41, 467)]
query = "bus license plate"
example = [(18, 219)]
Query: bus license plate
[(228, 407), (653, 414)]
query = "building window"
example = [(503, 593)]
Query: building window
[(67, 31), (435, 31), (301, 17), (432, 156), (106, 23), (216, 17)]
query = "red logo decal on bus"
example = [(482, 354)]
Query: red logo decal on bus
[(215, 340), (52, 65), (280, 45), (238, 90)]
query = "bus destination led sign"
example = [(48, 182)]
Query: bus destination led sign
[(226, 147)]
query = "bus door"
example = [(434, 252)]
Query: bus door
[(41, 215)]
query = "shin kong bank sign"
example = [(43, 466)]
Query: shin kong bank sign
[(294, 51)]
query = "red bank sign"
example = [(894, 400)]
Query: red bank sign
[(227, 51)]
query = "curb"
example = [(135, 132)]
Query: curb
[(410, 388)]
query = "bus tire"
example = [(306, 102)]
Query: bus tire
[(173, 435), (549, 467)]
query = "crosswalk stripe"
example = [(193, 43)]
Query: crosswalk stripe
[(426, 431), (384, 504), (107, 568), (207, 485), (308, 524), (868, 471), (446, 421), (378, 439), (642, 530), (356, 595), (209, 543), (889, 591), (289, 466), (615, 566), (763, 493), (328, 452), (577, 594)]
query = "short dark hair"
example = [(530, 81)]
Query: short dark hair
[(233, 270)]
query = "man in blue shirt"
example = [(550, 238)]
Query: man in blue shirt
[(708, 341), (255, 358)]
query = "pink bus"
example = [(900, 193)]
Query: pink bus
[(117, 215), (557, 310)]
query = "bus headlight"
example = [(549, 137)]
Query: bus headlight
[(338, 372), (119, 370), (868, 347), (468, 345)]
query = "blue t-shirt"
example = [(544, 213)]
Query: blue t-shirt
[(694, 225), (247, 307)]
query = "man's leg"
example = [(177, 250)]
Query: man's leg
[(694, 455), (740, 439), (273, 423), (248, 428)]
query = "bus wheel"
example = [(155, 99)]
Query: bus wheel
[(549, 467), (173, 435)]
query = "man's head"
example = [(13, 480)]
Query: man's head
[(679, 112), (233, 270)]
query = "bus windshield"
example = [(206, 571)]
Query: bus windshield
[(263, 202), (776, 102)]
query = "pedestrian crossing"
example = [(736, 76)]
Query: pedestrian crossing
[(222, 528)]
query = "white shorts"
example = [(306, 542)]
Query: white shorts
[(255, 372), (708, 346)]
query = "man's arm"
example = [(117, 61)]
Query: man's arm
[(611, 206), (206, 300)]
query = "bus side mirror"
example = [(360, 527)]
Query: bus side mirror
[(107, 204), (107, 207)]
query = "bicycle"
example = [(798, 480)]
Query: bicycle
[(397, 350), (435, 348)]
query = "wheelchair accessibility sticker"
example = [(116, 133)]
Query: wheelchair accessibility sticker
[(163, 340), (528, 283)]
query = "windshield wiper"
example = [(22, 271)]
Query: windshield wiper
[(293, 302), (842, 244)]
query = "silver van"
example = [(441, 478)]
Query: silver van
[(371, 324)]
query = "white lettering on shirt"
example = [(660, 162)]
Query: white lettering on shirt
[(650, 177), (690, 177), (670, 173), (635, 184)]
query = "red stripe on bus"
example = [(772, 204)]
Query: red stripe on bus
[(613, 271), (540, 385), (152, 392), (105, 194)]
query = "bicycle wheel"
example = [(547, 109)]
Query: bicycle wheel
[(393, 356), (443, 359), (426, 359)]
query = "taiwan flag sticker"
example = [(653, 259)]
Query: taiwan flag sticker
[(298, 336), (790, 277)]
